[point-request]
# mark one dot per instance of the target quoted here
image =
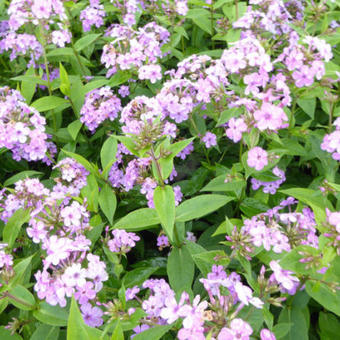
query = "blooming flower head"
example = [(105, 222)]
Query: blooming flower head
[(122, 241), (257, 158)]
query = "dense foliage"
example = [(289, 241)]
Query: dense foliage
[(169, 169)]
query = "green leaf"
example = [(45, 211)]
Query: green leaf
[(154, 333), (137, 276), (164, 200), (22, 298), (312, 198), (51, 315), (128, 143), (181, 270), (201, 18), (107, 202), (28, 87), (251, 206), (322, 294), (200, 206), (226, 115), (45, 332), (5, 334), (75, 325), (85, 41), (108, 153), (74, 128), (308, 106), (118, 333), (91, 192), (138, 220), (65, 85), (22, 175), (329, 326), (12, 227), (119, 78), (61, 52), (50, 103), (295, 316), (219, 184), (84, 162), (280, 330)]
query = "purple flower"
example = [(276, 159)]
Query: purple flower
[(235, 129), (239, 329), (269, 117), (209, 139), (257, 158), (92, 315), (122, 241), (287, 282), (266, 334)]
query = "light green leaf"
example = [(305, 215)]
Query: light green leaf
[(22, 298), (5, 334), (22, 175), (108, 152), (45, 332), (164, 200), (138, 220), (154, 333), (50, 103), (74, 128), (200, 206), (51, 315), (75, 324), (85, 41), (12, 227)]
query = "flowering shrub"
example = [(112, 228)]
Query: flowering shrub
[(169, 170)]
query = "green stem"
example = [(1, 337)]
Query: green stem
[(7, 294), (75, 52), (49, 87), (158, 168), (212, 23), (330, 120), (236, 9)]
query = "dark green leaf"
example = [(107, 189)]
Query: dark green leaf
[(108, 202)]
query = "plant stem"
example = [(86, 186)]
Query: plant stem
[(236, 9), (7, 294), (75, 52), (330, 120), (212, 23), (158, 168)]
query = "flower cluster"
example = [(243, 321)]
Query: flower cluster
[(269, 187), (59, 225), (133, 49), (92, 15), (22, 128), (122, 241), (100, 104), (72, 177), (276, 230), (227, 295), (46, 13)]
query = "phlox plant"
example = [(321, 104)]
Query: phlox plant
[(169, 169)]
